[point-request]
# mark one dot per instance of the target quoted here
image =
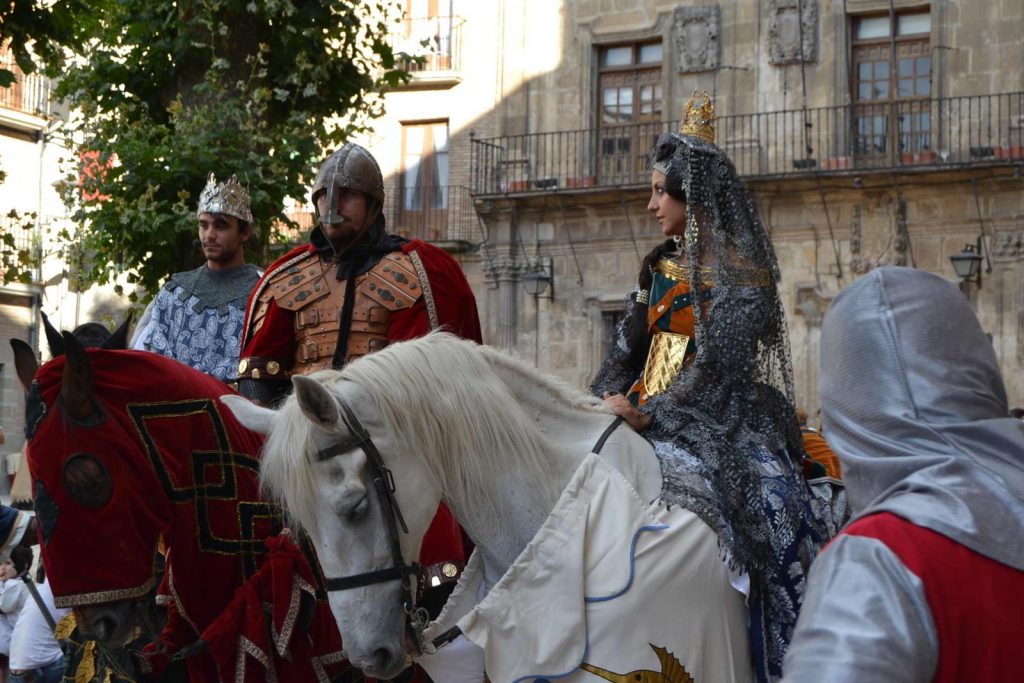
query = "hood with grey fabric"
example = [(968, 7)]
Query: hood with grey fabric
[(913, 403)]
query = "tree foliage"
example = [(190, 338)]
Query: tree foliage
[(168, 91), (36, 32)]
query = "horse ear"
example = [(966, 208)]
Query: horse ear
[(316, 402), (76, 388), (119, 340), (253, 417), (53, 338), (25, 362)]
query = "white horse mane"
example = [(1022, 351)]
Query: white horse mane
[(443, 399)]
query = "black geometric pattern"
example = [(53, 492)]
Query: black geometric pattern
[(47, 511), (214, 477), (35, 410)]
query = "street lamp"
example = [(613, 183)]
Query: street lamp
[(538, 279), (967, 264)]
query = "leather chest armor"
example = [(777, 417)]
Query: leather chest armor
[(310, 290)]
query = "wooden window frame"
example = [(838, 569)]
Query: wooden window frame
[(622, 158), (904, 141), (423, 220)]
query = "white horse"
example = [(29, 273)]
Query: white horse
[(510, 452)]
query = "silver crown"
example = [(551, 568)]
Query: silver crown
[(228, 197)]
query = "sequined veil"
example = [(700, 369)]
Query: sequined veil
[(726, 430)]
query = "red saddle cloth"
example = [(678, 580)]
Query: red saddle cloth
[(272, 630), (163, 460)]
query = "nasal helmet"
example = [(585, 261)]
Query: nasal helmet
[(350, 167)]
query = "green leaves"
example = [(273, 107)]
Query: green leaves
[(20, 247), (170, 91)]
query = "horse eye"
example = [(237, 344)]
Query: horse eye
[(87, 480)]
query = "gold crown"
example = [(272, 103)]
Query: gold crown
[(699, 117), (228, 197)]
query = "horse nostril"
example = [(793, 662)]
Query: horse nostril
[(382, 659), (104, 628)]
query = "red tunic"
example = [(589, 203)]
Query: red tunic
[(976, 603)]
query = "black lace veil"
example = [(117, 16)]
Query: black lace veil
[(736, 397)]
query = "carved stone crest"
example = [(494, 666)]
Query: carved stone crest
[(1008, 244), (792, 20), (812, 302), (697, 31)]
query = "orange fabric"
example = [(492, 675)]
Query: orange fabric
[(680, 320), (819, 451)]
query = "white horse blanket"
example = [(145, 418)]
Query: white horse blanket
[(610, 588)]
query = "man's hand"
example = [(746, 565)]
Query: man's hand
[(621, 406)]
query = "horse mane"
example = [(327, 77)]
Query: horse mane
[(442, 398)]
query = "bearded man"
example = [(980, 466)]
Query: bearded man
[(351, 290), (197, 317)]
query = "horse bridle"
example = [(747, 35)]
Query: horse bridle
[(416, 618)]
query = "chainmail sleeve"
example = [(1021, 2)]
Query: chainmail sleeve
[(619, 370)]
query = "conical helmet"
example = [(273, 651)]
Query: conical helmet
[(350, 167)]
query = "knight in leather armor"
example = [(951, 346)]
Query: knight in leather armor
[(352, 290)]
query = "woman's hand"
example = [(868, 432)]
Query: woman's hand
[(621, 406)]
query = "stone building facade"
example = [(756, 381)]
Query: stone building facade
[(870, 132)]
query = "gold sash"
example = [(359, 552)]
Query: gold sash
[(664, 361)]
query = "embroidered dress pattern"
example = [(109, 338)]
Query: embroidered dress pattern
[(197, 320)]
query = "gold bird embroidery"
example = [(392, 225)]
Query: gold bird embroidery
[(672, 671)]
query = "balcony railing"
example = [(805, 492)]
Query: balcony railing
[(21, 244), (436, 214), (29, 94), (920, 134), (437, 41)]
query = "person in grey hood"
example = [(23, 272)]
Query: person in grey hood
[(927, 582)]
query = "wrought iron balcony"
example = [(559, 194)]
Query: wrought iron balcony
[(29, 94), (442, 214), (927, 134), (436, 41)]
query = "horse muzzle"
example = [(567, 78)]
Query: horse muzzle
[(383, 663), (112, 625)]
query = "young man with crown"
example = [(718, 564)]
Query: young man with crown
[(197, 317), (354, 289)]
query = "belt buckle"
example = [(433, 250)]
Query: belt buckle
[(309, 352)]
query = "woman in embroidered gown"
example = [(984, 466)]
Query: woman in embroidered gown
[(701, 368)]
